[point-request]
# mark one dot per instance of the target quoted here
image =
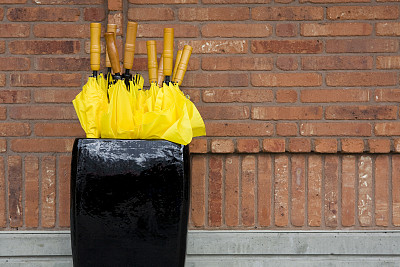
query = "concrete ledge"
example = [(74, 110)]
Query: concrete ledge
[(229, 248)]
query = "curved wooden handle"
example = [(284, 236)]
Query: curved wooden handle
[(160, 72), (110, 28), (177, 60), (130, 42), (95, 48), (152, 61), (168, 51), (180, 73), (112, 52)]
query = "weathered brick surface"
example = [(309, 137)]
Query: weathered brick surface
[(348, 190), (264, 193), (314, 191), (281, 191), (248, 211), (298, 190), (215, 191), (365, 187), (31, 191), (232, 180)]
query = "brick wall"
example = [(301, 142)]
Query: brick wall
[(300, 99)]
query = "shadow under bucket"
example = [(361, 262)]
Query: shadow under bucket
[(129, 202)]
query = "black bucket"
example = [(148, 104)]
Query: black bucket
[(129, 202)]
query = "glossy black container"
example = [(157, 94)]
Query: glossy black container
[(129, 202)]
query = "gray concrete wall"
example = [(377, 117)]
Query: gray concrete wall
[(229, 248)]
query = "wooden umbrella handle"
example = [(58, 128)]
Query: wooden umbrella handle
[(110, 28), (130, 42), (177, 60), (160, 72), (152, 61), (95, 48), (112, 52), (180, 73), (168, 52)]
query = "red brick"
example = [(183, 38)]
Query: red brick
[(331, 190), (361, 46), (237, 95), (352, 145), (14, 129), (236, 63), (281, 190), (115, 5), (13, 1), (42, 145), (94, 14), (287, 13), (3, 208), (387, 95), (232, 165), (286, 96), (287, 63), (215, 80), (362, 12), (215, 191), (197, 200), (387, 128), (3, 113), (388, 28), (216, 46), (239, 129), (298, 190), (15, 191), (248, 191), (222, 146), (286, 46), (46, 79), (286, 30), (62, 31), (333, 1), (264, 192), (335, 129), (118, 19), (326, 145), (55, 96), (396, 144), (236, 30), (361, 112), (299, 145), (314, 191), (42, 112), (152, 14), (336, 29), (214, 13), (365, 201), (395, 186), (2, 47), (14, 30), (286, 113), (198, 145), (31, 191), (42, 47), (248, 146), (273, 145), (3, 145), (43, 14), (334, 95), (233, 1), (63, 64), (348, 190), (361, 79), (59, 129), (388, 62), (382, 190), (48, 192), (379, 145), (69, 2), (15, 96), (165, 2), (14, 63), (64, 172), (337, 63), (180, 30), (286, 79), (224, 112), (286, 129)]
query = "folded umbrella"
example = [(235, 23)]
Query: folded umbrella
[(91, 102)]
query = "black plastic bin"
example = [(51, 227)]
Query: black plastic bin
[(129, 202)]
